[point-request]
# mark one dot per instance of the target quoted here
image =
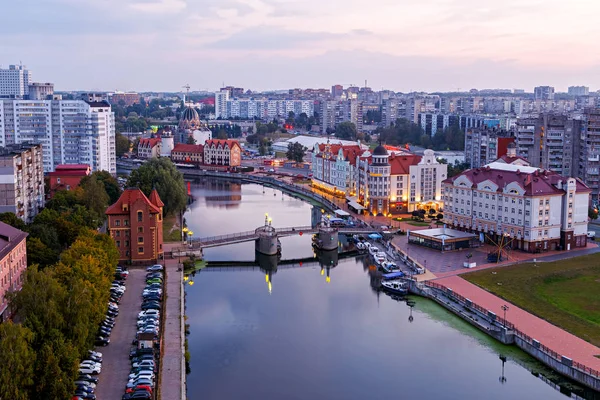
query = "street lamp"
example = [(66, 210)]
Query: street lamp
[(184, 232), (190, 234), (505, 309)]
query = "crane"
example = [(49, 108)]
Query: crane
[(187, 88)]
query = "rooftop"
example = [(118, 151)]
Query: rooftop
[(9, 238), (440, 234)]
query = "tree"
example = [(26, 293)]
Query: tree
[(439, 217), (222, 135), (18, 359), (39, 253), (121, 144), (295, 152), (191, 140), (111, 185), (161, 173), (593, 213), (346, 130), (95, 198), (11, 219)]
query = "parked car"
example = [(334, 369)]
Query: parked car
[(155, 267), (102, 341)]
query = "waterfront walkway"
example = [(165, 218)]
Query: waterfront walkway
[(549, 335), (172, 366)]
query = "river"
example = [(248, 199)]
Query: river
[(303, 336)]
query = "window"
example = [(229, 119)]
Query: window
[(127, 253), (126, 222), (546, 232), (140, 216), (57, 180), (140, 249), (512, 221), (527, 212), (117, 222), (118, 243), (140, 229), (118, 233), (541, 202), (127, 243), (140, 239), (547, 202)]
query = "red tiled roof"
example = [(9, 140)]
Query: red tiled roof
[(188, 148), (155, 199), (539, 183), (400, 164), (149, 142), (10, 237), (71, 170), (71, 166), (350, 152), (229, 142), (510, 160), (130, 196)]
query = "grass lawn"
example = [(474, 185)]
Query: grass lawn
[(565, 293), (171, 231), (418, 223)]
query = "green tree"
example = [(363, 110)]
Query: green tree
[(222, 134), (39, 253), (346, 130), (295, 152), (190, 140), (111, 185), (18, 360), (11, 219), (593, 213), (121, 144), (291, 119), (161, 173), (95, 198)]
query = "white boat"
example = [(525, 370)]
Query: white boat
[(373, 250), (380, 258), (395, 287), (361, 246), (389, 266)]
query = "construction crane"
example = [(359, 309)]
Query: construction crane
[(187, 95)]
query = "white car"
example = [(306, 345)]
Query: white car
[(89, 371), (95, 353), (149, 312), (142, 373), (144, 363), (90, 362)]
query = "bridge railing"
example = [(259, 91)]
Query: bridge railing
[(223, 237)]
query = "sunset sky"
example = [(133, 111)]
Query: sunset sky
[(402, 45)]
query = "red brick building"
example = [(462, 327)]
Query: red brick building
[(221, 152), (67, 176), (188, 153), (135, 223), (13, 262)]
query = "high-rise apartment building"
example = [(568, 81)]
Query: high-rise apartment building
[(221, 98), (14, 81), (21, 180), (390, 111), (485, 145), (40, 91), (579, 91), (70, 131), (337, 91), (334, 112), (543, 93), (589, 152)]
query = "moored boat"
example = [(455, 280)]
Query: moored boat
[(395, 287)]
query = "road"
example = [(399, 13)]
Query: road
[(115, 364)]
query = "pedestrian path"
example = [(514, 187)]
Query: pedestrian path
[(549, 335)]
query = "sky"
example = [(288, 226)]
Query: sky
[(402, 45)]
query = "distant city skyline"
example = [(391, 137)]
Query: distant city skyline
[(437, 45)]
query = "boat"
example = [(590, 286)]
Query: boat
[(395, 287), (361, 246), (389, 266), (373, 250), (380, 258), (392, 276)]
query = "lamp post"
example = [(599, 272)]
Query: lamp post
[(502, 378), (184, 232), (505, 309), (190, 234)]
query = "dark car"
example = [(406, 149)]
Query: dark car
[(87, 378), (85, 395), (102, 341), (84, 388)]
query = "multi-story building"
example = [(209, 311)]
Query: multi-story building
[(14, 81), (337, 91), (390, 111), (135, 223), (67, 177), (530, 208), (41, 91), (188, 154), (70, 131), (220, 152), (543, 93), (334, 112), (13, 263), (425, 179), (125, 99), (221, 98), (485, 145), (21, 180), (589, 152), (333, 168), (373, 183), (266, 109), (579, 91), (149, 148)]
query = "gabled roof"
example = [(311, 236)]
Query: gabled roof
[(511, 160), (149, 142), (9, 238), (229, 142), (400, 164), (130, 196), (188, 148), (155, 199)]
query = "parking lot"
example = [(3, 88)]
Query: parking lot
[(113, 378)]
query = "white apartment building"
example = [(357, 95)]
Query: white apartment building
[(70, 131), (14, 81), (266, 109), (221, 99), (531, 209)]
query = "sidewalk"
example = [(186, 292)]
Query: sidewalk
[(549, 335)]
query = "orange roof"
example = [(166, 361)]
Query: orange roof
[(350, 152), (130, 196), (72, 166), (149, 142), (400, 164), (229, 142), (188, 148), (155, 199)]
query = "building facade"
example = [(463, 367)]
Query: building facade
[(221, 152), (41, 91), (149, 148), (126, 99), (333, 168), (135, 223), (221, 98), (533, 209), (67, 177), (589, 152), (484, 145), (188, 154), (14, 81), (22, 181), (543, 93), (70, 131), (13, 263), (579, 91)]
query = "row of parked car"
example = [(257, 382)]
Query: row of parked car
[(145, 355), (85, 385)]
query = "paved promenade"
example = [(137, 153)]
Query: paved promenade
[(172, 367), (551, 336)]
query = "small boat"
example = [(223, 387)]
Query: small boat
[(380, 258), (389, 266), (361, 246), (395, 287), (392, 276), (373, 250)]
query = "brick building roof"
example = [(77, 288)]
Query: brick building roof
[(9, 238), (149, 142), (71, 170), (400, 164), (188, 148), (229, 142), (130, 196)]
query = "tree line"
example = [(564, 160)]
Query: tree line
[(404, 131), (64, 295)]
